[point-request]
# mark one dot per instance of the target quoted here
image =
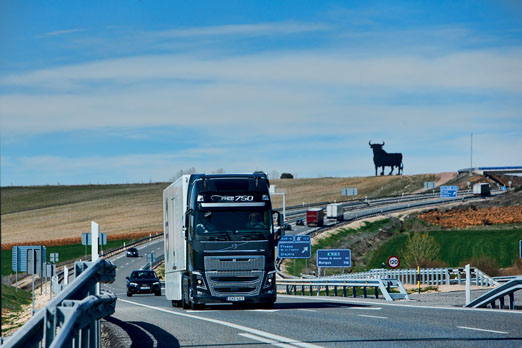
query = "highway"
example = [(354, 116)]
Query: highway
[(150, 321)]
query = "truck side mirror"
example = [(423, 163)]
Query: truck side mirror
[(279, 228), (185, 229)]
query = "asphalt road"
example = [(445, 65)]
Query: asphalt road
[(150, 321)]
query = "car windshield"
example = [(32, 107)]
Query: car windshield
[(236, 221), (143, 275)]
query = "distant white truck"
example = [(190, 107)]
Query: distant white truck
[(481, 189), (335, 211)]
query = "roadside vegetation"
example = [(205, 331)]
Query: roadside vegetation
[(491, 248), (66, 253), (12, 302)]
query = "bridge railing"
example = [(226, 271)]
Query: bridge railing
[(71, 319), (332, 286), (428, 276)]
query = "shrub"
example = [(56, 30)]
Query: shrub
[(287, 176), (485, 264), (421, 249)]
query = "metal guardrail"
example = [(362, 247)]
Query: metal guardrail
[(428, 276), (384, 285), (71, 319), (489, 298)]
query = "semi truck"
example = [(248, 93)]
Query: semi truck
[(315, 217), (220, 233), (335, 211), (481, 189)]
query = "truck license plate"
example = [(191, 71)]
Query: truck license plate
[(235, 298)]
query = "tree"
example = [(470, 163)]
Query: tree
[(287, 176), (421, 248)]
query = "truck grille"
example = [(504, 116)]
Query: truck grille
[(234, 275)]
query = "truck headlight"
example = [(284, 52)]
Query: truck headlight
[(199, 281), (270, 280)]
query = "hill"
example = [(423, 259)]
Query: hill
[(59, 212)]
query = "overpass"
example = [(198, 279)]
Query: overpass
[(486, 171)]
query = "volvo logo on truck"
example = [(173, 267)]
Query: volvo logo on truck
[(220, 236)]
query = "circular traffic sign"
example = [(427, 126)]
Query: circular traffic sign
[(393, 262)]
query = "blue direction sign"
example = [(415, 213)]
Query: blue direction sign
[(19, 257), (449, 191), (294, 247), (334, 258)]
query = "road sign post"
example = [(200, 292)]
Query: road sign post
[(294, 247), (393, 261), (340, 258), (449, 191)]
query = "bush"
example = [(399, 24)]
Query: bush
[(287, 176), (421, 249), (485, 264)]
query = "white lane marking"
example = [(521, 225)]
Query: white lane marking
[(231, 325), (368, 308), (329, 299), (484, 330), (306, 310), (263, 310), (371, 316), (266, 340)]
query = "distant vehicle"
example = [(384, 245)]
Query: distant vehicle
[(299, 222), (335, 211), (315, 217), (143, 282), (481, 189), (287, 226), (132, 252)]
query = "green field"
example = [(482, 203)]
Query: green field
[(66, 253), (337, 241), (457, 246)]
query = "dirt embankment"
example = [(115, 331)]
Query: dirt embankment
[(472, 216), (503, 209)]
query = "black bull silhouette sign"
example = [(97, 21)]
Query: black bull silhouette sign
[(383, 159)]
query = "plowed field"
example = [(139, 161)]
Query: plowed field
[(462, 218)]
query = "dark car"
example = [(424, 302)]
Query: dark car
[(143, 282), (132, 252), (287, 226), (299, 222)]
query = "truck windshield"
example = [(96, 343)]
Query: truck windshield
[(233, 221)]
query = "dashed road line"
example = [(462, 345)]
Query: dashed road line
[(371, 316), (484, 330)]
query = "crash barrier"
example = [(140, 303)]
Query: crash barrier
[(428, 276), (156, 262), (71, 319), (490, 298), (113, 252), (326, 286)]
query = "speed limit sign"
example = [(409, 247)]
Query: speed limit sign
[(393, 262)]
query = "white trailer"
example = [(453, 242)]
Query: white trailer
[(481, 189), (335, 211), (174, 208)]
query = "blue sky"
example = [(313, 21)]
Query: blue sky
[(135, 91)]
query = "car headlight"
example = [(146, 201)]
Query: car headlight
[(133, 284), (157, 283), (270, 280)]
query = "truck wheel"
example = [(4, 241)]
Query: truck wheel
[(184, 303)]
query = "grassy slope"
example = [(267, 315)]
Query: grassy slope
[(457, 246), (56, 212)]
